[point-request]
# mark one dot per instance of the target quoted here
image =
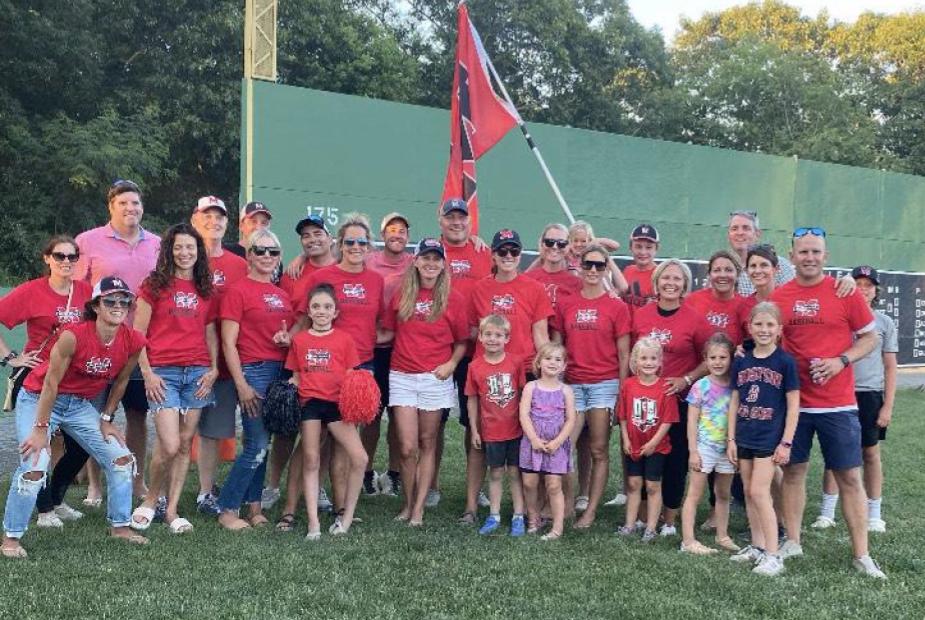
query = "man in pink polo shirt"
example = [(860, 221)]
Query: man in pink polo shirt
[(124, 249)]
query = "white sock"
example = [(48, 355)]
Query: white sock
[(873, 508), (201, 496), (828, 505)]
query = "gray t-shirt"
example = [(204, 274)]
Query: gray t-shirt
[(868, 371)]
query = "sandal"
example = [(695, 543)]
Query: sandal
[(727, 543), (93, 502), (286, 523), (697, 548), (312, 536), (17, 552), (533, 527), (258, 520), (142, 512), (467, 518), (180, 526), (132, 539), (551, 535)]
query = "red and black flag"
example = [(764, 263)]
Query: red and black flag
[(479, 118)]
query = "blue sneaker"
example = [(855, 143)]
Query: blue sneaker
[(208, 504), (491, 524), (518, 528), (160, 508)]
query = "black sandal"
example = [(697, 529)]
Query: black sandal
[(286, 523)]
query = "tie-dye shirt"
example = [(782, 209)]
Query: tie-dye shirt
[(713, 401)]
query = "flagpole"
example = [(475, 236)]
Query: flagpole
[(533, 148)]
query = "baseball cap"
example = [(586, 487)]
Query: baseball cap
[(210, 202), (252, 208), (429, 244), (110, 285), (394, 215), (505, 236), (645, 231), (454, 204), (310, 220), (866, 271)]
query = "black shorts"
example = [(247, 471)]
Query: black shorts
[(134, 398), (750, 454), (323, 410), (869, 405), (459, 375), (382, 360), (502, 453), (649, 467)]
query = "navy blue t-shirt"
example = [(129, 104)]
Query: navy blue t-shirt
[(762, 385)]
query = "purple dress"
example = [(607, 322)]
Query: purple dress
[(547, 413)]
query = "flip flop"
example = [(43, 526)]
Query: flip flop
[(551, 535), (726, 543), (180, 526), (258, 521), (17, 553), (697, 548), (134, 539), (286, 523), (467, 518), (142, 512)]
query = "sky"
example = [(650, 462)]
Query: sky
[(666, 13)]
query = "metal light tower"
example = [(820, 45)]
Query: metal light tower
[(259, 64)]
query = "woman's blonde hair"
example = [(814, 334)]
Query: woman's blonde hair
[(649, 344), (547, 349), (685, 273), (411, 286), (354, 219), (262, 233)]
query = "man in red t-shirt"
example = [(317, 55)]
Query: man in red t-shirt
[(317, 252), (826, 335)]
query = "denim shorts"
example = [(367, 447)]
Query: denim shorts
[(713, 459), (839, 437), (601, 395), (180, 386)]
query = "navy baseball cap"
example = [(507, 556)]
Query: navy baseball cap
[(866, 271), (310, 220), (110, 285), (429, 244), (253, 208), (454, 204), (505, 236), (645, 231)]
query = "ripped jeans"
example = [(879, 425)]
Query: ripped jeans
[(245, 480), (80, 419)]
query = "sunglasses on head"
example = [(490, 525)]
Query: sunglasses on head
[(555, 243), (60, 257), (508, 250), (596, 265), (809, 230), (360, 241), (263, 250), (116, 302)]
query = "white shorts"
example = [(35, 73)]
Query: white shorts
[(422, 390), (713, 459)]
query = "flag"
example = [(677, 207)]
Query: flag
[(479, 118)]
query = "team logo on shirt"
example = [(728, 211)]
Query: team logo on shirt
[(585, 318), (552, 292), (186, 301), (645, 413), (460, 266), (500, 388), (318, 357), (422, 309), (753, 393), (354, 291), (663, 336), (806, 308), (98, 366), (273, 302), (502, 304), (65, 316), (718, 319), (218, 277)]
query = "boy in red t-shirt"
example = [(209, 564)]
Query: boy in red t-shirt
[(496, 379), (646, 414), (643, 247)]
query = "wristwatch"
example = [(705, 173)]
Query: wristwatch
[(844, 360), (9, 356), (107, 417), (786, 444)]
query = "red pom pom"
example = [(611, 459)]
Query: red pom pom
[(359, 397)]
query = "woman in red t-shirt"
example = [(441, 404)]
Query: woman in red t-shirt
[(682, 332), (46, 305), (596, 330), (551, 268), (761, 265), (430, 328), (176, 310), (58, 394), (718, 303)]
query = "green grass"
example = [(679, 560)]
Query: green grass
[(386, 570)]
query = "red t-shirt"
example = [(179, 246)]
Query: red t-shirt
[(466, 266), (645, 408), (591, 328), (682, 336), (41, 308), (377, 262), (296, 288), (259, 309), (745, 309), (559, 285), (421, 345), (93, 365), (321, 363), (359, 304), (641, 292), (226, 270), (721, 314), (498, 388), (522, 301), (177, 330), (819, 324)]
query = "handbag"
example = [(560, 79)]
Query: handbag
[(281, 410)]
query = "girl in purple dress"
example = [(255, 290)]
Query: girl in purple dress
[(547, 415)]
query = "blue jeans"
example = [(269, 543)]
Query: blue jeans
[(78, 418), (245, 480)]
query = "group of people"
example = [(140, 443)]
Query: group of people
[(727, 383)]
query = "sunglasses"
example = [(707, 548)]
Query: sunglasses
[(555, 243), (263, 250), (508, 251), (596, 265), (119, 302), (60, 257), (360, 241), (809, 230)]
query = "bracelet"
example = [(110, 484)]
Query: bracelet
[(41, 425), (731, 440), (689, 381), (9, 356)]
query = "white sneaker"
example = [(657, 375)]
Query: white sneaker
[(770, 566), (323, 502), (823, 523), (618, 500), (876, 525), (49, 519), (668, 530), (867, 566), (581, 503), (747, 554), (484, 502), (790, 549), (66, 513), (433, 498), (269, 497)]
